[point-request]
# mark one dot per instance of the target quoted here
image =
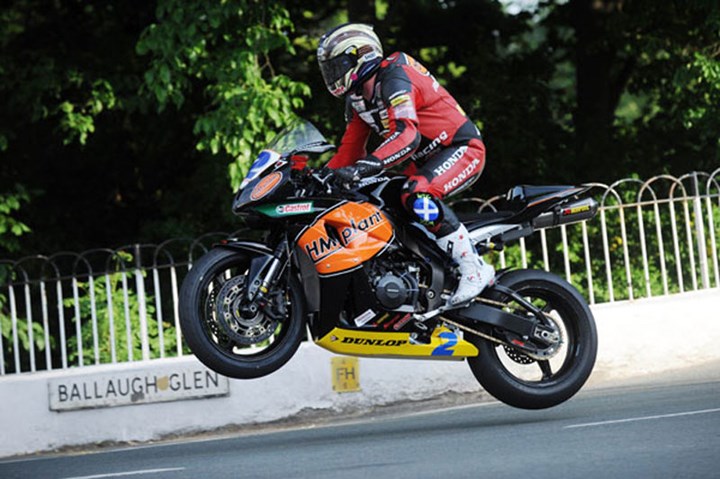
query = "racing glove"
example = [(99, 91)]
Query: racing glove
[(369, 166)]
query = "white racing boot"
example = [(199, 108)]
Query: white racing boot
[(475, 274)]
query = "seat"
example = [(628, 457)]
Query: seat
[(527, 193)]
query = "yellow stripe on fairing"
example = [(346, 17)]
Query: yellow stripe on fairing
[(444, 344)]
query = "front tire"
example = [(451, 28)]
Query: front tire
[(523, 382), (216, 332)]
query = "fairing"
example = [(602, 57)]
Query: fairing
[(343, 238), (269, 177), (443, 344)]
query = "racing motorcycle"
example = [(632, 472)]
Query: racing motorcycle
[(350, 266)]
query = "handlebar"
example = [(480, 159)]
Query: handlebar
[(323, 180)]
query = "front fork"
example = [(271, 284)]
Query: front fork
[(264, 273)]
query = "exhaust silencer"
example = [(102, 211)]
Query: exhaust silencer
[(567, 213)]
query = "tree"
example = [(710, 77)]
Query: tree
[(71, 121), (223, 50), (646, 84), (130, 122), (10, 228), (120, 147)]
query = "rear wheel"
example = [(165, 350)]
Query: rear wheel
[(235, 339), (526, 382)]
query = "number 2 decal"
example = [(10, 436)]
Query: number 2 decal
[(445, 349)]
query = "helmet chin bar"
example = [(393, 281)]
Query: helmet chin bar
[(357, 84)]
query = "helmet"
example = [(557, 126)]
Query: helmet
[(348, 55)]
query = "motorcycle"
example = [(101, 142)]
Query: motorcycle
[(350, 265)]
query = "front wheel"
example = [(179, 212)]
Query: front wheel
[(521, 381), (223, 332)]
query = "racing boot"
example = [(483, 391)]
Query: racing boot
[(475, 274)]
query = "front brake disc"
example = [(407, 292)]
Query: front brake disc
[(242, 329)]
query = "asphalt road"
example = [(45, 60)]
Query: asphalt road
[(662, 427)]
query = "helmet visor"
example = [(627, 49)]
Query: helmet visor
[(334, 69)]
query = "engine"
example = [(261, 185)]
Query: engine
[(396, 284)]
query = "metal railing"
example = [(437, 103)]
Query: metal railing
[(650, 238), (95, 307)]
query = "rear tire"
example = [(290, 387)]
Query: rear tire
[(211, 340), (522, 382)]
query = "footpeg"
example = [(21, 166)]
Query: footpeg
[(436, 312), (431, 314)]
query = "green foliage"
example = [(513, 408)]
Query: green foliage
[(223, 49), (667, 116), (127, 118), (10, 231), (124, 349), (702, 76), (10, 228), (23, 336), (78, 119), (49, 83)]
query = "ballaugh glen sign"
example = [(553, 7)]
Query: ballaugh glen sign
[(136, 387)]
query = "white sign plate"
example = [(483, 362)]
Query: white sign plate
[(172, 383)]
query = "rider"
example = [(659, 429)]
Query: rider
[(422, 126)]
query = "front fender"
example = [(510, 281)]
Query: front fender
[(250, 246)]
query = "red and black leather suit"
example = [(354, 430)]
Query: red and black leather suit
[(420, 122)]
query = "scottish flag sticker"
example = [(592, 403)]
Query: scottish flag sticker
[(426, 209)]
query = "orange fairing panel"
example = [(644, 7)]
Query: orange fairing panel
[(362, 232)]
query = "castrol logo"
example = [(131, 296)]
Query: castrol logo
[(265, 186)]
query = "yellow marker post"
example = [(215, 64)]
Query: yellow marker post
[(345, 372)]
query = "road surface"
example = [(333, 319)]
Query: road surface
[(658, 427)]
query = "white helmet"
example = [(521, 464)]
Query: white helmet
[(348, 55)]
